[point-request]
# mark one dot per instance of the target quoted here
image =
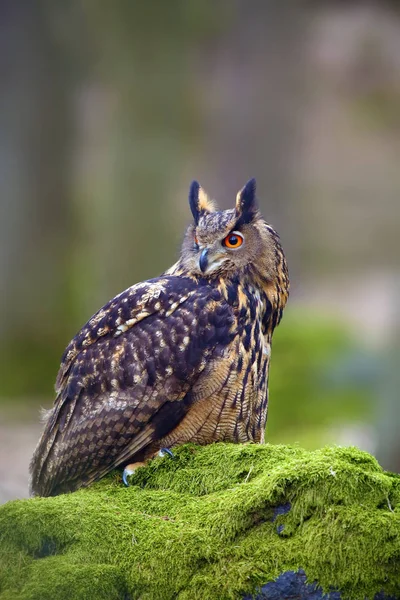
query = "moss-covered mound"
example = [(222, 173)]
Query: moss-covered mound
[(215, 522)]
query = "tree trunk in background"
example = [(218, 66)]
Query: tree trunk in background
[(387, 405), (34, 208), (149, 121)]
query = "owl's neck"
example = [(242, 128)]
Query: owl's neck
[(249, 291), (254, 298), (275, 292)]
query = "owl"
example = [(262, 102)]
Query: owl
[(182, 357)]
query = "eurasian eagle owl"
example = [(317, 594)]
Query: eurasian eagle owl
[(182, 357)]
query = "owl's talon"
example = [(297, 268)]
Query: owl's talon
[(125, 475), (163, 451), (129, 470)]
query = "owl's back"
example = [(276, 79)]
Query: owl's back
[(124, 391)]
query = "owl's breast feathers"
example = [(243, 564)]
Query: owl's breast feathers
[(129, 377)]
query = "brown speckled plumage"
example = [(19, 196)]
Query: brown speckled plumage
[(183, 357)]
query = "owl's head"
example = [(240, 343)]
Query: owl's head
[(233, 243)]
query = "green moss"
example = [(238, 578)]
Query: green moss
[(200, 527)]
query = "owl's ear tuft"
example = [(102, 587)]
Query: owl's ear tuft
[(199, 202), (246, 202)]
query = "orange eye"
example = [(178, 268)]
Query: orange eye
[(196, 241), (233, 240)]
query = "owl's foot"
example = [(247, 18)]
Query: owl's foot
[(163, 451), (129, 470)]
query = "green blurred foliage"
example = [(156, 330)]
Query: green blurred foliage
[(305, 403)]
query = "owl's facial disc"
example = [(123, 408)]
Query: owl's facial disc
[(217, 242), (212, 256), (223, 243)]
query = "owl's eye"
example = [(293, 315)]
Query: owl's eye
[(233, 240), (195, 240)]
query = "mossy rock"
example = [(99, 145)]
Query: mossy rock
[(217, 522)]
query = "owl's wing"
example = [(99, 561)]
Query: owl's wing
[(125, 380)]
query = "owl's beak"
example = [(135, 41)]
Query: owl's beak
[(203, 261)]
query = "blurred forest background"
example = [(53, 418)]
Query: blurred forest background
[(109, 110)]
